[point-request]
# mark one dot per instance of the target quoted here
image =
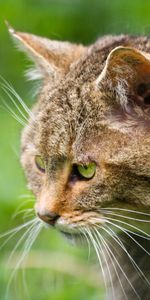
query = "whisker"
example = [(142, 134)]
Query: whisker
[(121, 269), (29, 112), (103, 253), (109, 254), (10, 88), (23, 237), (126, 210), (31, 238), (13, 232), (118, 241), (28, 244), (139, 235), (125, 217), (23, 203), (98, 255), (88, 241), (14, 102), (8, 239), (28, 215), (26, 210), (122, 229), (25, 286), (12, 113), (16, 229), (125, 223)]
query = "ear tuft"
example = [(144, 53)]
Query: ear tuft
[(9, 27), (52, 58)]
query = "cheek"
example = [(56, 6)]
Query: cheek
[(81, 197)]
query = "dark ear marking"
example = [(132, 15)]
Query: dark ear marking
[(143, 92)]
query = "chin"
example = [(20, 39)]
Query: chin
[(75, 238)]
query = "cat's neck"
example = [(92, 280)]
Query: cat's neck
[(129, 269)]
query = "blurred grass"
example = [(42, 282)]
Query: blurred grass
[(73, 20)]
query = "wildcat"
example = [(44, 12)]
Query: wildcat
[(86, 149)]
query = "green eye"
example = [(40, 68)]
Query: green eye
[(87, 171), (40, 163)]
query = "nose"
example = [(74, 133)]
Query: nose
[(48, 217)]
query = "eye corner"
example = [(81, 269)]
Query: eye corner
[(83, 171)]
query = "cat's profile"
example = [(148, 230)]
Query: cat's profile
[(86, 150)]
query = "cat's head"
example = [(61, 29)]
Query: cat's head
[(86, 147)]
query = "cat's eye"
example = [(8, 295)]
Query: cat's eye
[(40, 163), (87, 171)]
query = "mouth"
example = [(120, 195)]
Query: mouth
[(77, 238), (72, 232), (70, 229), (76, 228)]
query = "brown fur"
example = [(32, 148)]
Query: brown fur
[(89, 109)]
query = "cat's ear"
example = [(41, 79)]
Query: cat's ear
[(127, 73), (52, 58)]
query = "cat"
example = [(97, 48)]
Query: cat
[(86, 150)]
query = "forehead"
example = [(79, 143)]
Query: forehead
[(68, 122)]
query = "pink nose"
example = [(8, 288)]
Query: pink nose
[(48, 217)]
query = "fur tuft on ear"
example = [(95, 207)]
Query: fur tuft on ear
[(52, 58), (126, 77)]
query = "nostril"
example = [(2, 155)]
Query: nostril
[(48, 217)]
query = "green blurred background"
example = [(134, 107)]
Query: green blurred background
[(54, 269)]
